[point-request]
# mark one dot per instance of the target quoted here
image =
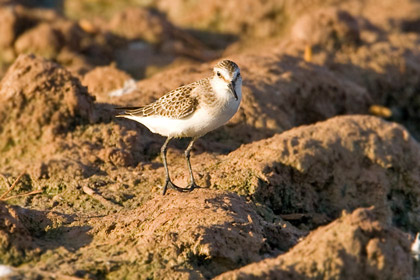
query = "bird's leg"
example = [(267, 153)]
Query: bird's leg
[(168, 182), (163, 154), (192, 184)]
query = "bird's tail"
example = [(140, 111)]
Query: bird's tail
[(125, 111)]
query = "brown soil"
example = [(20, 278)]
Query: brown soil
[(354, 245), (102, 80), (302, 183), (39, 100), (329, 164)]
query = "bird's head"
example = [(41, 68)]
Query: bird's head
[(227, 71)]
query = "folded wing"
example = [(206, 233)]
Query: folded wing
[(176, 104)]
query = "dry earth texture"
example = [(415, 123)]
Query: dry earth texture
[(316, 177)]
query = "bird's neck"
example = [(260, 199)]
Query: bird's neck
[(220, 89)]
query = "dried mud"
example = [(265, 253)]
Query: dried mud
[(354, 245), (316, 176)]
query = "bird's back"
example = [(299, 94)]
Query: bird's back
[(176, 104)]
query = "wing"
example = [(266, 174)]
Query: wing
[(177, 104)]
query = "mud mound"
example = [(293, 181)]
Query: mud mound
[(267, 16), (46, 33), (271, 18), (8, 27), (203, 233), (50, 38), (390, 71), (139, 40), (328, 28), (356, 244), (154, 42), (384, 64), (42, 40), (215, 15), (290, 92), (141, 23), (384, 13), (102, 80), (324, 168), (40, 100), (149, 25)]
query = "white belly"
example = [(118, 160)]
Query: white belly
[(197, 124)]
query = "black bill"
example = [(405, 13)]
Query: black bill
[(232, 89)]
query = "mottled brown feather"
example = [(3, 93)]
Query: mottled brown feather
[(183, 101), (178, 103)]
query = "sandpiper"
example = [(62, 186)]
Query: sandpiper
[(192, 111)]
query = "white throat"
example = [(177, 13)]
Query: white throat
[(223, 92)]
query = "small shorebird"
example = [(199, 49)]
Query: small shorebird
[(192, 111)]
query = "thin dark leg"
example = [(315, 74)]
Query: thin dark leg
[(168, 182), (163, 154), (192, 184)]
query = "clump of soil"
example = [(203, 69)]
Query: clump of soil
[(134, 36), (328, 28), (141, 23), (355, 244), (323, 169), (39, 100), (189, 234), (206, 232), (45, 32), (154, 42), (103, 80)]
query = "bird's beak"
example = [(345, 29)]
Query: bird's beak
[(232, 89)]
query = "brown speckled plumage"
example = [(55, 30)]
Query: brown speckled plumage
[(178, 103), (183, 101), (191, 111)]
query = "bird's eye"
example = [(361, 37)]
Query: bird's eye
[(218, 74)]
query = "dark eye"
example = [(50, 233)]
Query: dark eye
[(218, 74)]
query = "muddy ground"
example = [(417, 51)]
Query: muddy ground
[(317, 175)]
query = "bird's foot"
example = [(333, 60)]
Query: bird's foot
[(192, 186), (171, 185)]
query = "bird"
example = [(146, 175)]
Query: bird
[(191, 111)]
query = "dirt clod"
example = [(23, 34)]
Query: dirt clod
[(39, 100), (355, 244)]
